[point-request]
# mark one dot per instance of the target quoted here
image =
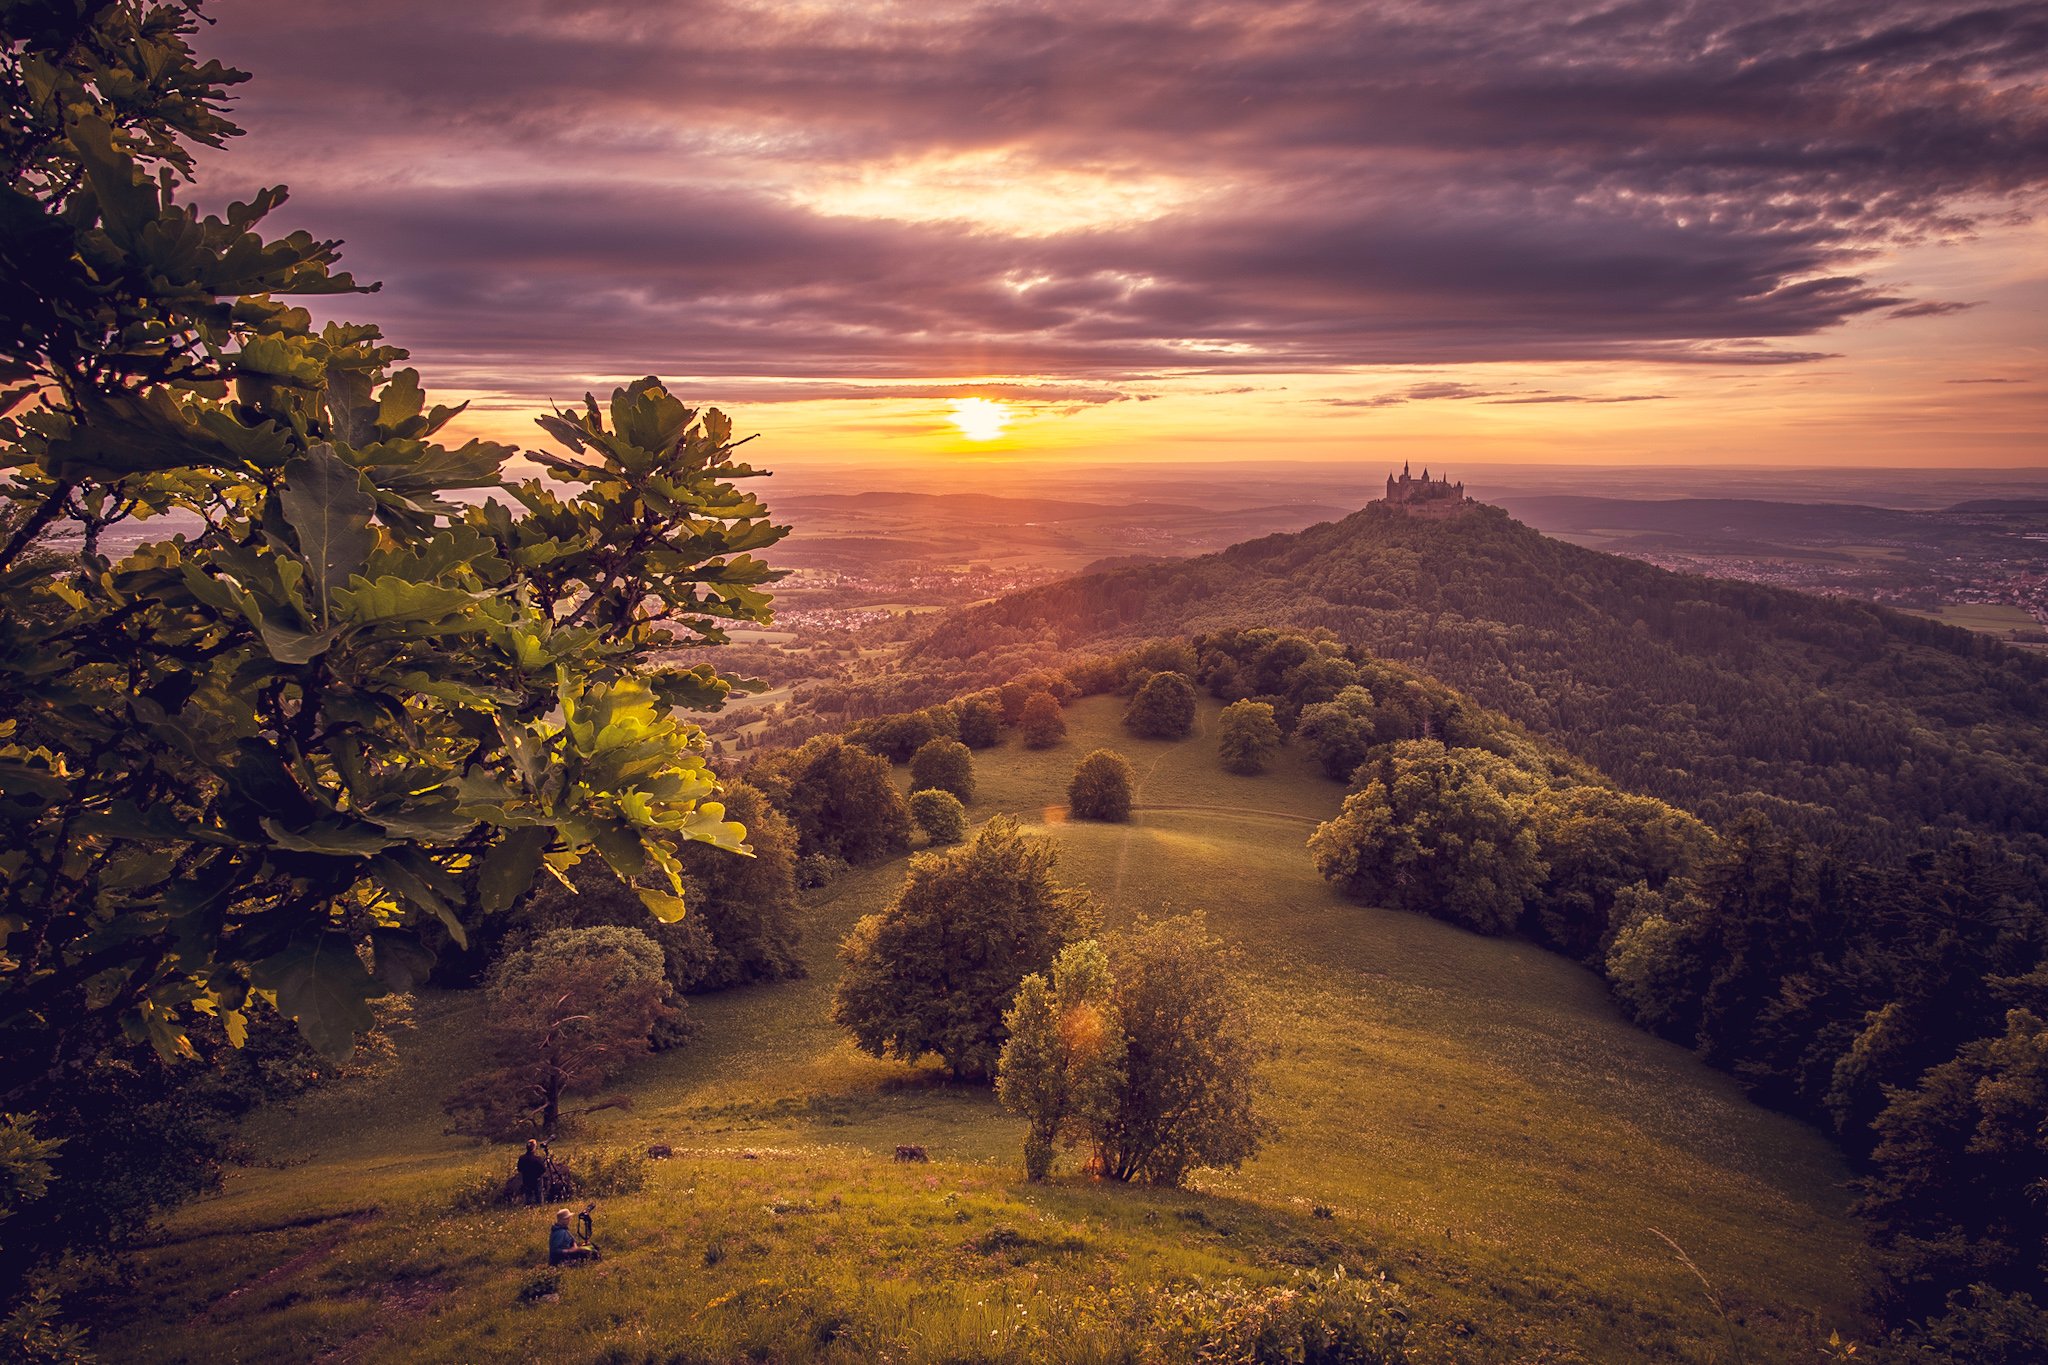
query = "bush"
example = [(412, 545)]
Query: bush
[(1101, 787), (1042, 724), (1247, 736), (1191, 1057), (935, 971), (841, 799), (1063, 1066), (940, 815), (895, 738), (1314, 1319), (820, 869), (981, 723), (1164, 708), (1980, 1326), (943, 765)]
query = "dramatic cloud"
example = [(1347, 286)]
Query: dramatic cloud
[(1097, 194)]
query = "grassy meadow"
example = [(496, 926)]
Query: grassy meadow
[(1470, 1117)]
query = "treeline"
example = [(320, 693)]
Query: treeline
[(1846, 721), (1899, 1005)]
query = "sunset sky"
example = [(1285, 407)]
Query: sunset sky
[(1495, 230)]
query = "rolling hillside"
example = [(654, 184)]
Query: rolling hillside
[(1713, 694), (1478, 1120)]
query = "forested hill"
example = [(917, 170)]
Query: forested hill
[(1711, 693)]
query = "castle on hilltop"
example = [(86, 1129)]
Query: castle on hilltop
[(1424, 498)]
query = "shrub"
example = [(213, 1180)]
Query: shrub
[(1063, 1066), (1191, 1056), (1042, 724), (895, 738), (841, 799), (944, 765), (1314, 1319), (935, 971), (1164, 707), (1101, 787), (940, 815), (981, 723), (1247, 736), (820, 869)]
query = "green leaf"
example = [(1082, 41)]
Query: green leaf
[(397, 600), (402, 961), (668, 909), (410, 875), (321, 982), (352, 839), (508, 870), (326, 501)]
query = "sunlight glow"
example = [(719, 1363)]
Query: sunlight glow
[(980, 419), (996, 192)]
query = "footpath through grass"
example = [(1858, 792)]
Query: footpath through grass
[(1471, 1117)]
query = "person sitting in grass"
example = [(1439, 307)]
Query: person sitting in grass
[(562, 1247)]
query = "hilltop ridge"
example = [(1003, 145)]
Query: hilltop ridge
[(1709, 692)]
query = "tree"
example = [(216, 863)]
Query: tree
[(936, 969), (344, 702), (746, 906), (562, 1015), (1163, 708), (1063, 1066), (895, 738), (353, 706), (1340, 733), (1594, 841), (1433, 833), (1041, 724), (1246, 737), (1657, 965), (940, 815), (1101, 787), (1191, 1056), (842, 800), (946, 765), (1954, 1195), (981, 723)]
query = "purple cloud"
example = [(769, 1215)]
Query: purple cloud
[(579, 187)]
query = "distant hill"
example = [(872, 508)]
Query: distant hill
[(1745, 519), (1711, 693), (2004, 506)]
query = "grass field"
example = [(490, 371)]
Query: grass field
[(1481, 1123), (1992, 619)]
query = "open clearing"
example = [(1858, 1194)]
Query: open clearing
[(1482, 1124)]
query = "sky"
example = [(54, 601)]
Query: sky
[(1493, 230)]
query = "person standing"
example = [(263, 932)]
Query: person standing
[(532, 1166)]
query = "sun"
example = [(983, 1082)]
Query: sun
[(980, 419)]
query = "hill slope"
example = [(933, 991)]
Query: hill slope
[(1479, 1120), (1705, 692)]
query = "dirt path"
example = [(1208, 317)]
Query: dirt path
[(311, 1256), (1309, 820)]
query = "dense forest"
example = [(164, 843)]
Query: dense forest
[(1838, 717)]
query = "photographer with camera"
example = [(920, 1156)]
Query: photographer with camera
[(532, 1166), (564, 1246)]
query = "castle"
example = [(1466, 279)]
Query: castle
[(1422, 498)]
